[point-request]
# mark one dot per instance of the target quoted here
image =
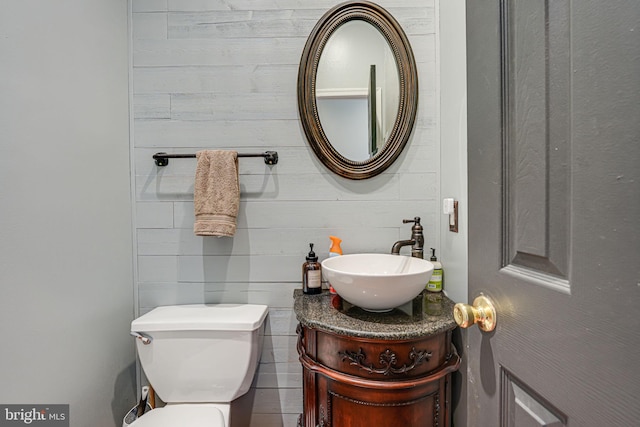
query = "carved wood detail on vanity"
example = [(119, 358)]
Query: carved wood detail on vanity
[(388, 359)]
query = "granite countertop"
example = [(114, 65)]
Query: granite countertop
[(428, 314)]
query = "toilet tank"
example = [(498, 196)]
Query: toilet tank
[(201, 352)]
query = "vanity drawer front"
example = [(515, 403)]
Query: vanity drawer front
[(346, 405), (381, 360)]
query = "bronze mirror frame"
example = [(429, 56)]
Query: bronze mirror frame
[(408, 99)]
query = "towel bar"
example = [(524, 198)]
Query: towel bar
[(162, 159)]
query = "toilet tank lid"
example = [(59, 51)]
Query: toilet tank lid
[(202, 317)]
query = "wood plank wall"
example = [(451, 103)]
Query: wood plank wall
[(222, 74)]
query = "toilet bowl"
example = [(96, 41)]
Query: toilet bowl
[(198, 358), (191, 415)]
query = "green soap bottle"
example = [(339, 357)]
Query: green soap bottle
[(435, 283)]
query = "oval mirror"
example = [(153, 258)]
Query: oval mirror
[(357, 89)]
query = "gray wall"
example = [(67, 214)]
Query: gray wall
[(209, 74), (453, 141), (453, 156), (65, 208)]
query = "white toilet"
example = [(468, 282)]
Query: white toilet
[(198, 358)]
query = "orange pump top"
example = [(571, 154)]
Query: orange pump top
[(335, 245)]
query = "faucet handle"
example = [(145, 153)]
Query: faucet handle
[(415, 220)]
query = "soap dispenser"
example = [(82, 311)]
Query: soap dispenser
[(435, 283), (311, 274)]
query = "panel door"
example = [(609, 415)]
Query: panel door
[(554, 212)]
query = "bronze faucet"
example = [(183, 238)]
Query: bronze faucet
[(416, 242)]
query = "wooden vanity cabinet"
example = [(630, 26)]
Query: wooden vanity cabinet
[(362, 382)]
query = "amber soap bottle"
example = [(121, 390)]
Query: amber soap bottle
[(311, 274)]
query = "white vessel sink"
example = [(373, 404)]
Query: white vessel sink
[(377, 282)]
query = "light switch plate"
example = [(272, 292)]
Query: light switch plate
[(447, 206), (450, 207)]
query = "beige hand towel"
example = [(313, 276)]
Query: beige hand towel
[(216, 196)]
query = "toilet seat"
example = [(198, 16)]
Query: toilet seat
[(183, 415)]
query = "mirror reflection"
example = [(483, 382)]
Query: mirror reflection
[(357, 90)]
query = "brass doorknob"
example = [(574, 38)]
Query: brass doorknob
[(482, 312)]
